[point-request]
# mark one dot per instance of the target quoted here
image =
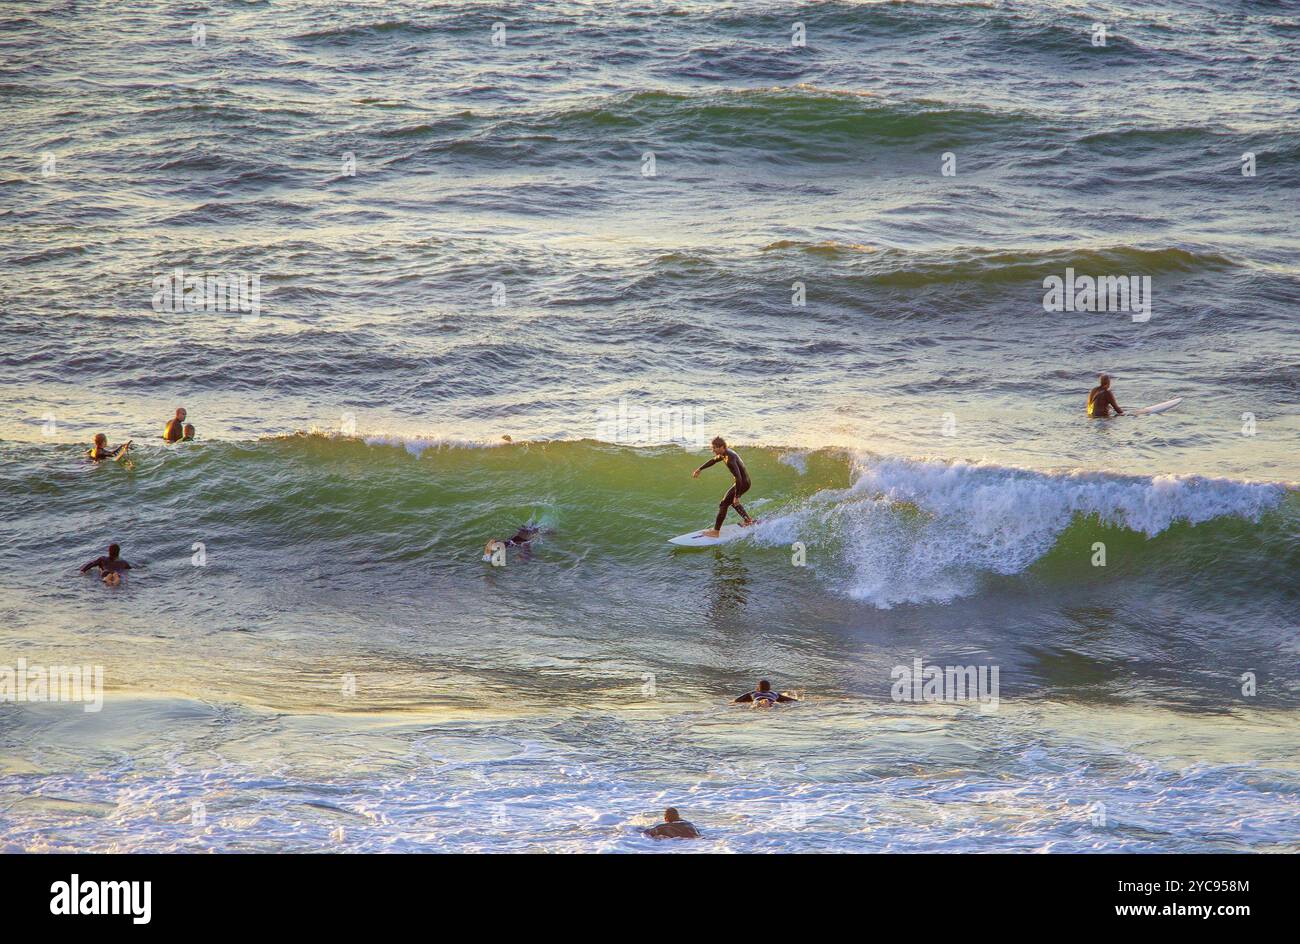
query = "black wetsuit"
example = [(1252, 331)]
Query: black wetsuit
[(98, 455), (523, 539), (769, 696), (107, 565), (738, 488), (677, 830), (523, 536)]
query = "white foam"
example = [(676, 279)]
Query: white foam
[(925, 530)]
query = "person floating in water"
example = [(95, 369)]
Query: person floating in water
[(739, 486), (100, 450), (189, 432), (673, 827), (523, 540), (175, 429), (763, 695), (1101, 399), (111, 568)]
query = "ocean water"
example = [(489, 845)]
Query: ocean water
[(525, 282)]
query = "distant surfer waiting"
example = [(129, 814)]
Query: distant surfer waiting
[(739, 486), (111, 567), (763, 696), (1101, 400), (177, 429)]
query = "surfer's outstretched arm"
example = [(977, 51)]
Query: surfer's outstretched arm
[(94, 563), (713, 461)]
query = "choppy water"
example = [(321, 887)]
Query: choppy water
[(916, 425)]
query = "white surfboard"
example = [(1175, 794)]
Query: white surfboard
[(697, 539), (1157, 408)]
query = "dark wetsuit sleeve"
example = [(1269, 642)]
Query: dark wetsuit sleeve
[(1114, 404), (97, 562), (714, 461), (748, 696), (785, 698)]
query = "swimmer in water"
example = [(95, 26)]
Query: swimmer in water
[(100, 450), (174, 431), (739, 486), (763, 695), (523, 540), (1101, 400), (673, 827), (111, 568), (189, 432)]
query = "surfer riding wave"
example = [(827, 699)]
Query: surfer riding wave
[(740, 485)]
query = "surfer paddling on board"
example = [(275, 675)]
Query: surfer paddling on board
[(1101, 399), (739, 486), (763, 696), (523, 540)]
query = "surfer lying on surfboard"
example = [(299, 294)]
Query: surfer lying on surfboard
[(673, 827), (523, 540), (763, 696), (1101, 399), (739, 486)]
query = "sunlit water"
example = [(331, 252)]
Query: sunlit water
[(344, 672)]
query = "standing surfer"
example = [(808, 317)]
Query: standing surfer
[(739, 486)]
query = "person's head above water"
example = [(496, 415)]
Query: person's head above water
[(180, 413), (101, 439), (764, 685), (671, 815), (113, 551), (1103, 380), (189, 430)]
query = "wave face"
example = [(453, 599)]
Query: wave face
[(929, 531), (833, 254), (884, 530), (518, 696)]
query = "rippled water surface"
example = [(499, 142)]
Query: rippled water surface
[(459, 241)]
